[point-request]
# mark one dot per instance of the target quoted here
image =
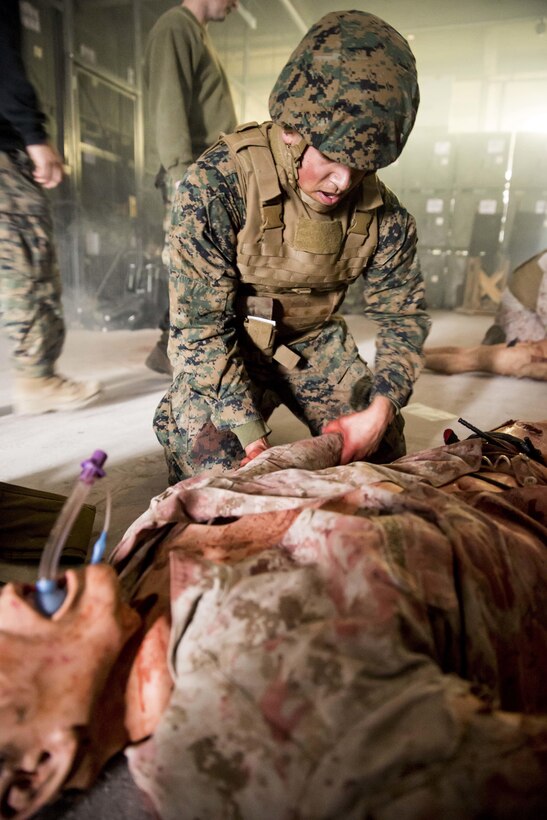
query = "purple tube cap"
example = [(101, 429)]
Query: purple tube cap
[(92, 467)]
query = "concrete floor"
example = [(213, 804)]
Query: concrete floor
[(44, 452)]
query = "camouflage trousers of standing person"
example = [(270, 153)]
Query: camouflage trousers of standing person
[(331, 380), (30, 283), (166, 186)]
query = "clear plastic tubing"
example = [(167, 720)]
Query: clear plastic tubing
[(50, 594)]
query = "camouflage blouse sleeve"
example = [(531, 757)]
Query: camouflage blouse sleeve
[(394, 299), (208, 212)]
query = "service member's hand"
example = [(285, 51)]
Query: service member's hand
[(48, 165), (254, 449), (363, 431)]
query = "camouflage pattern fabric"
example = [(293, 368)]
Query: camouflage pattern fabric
[(30, 283), (350, 89), (349, 642), (218, 384), (334, 382), (519, 322), (166, 186)]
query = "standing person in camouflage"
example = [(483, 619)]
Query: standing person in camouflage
[(30, 284), (190, 105), (270, 227)]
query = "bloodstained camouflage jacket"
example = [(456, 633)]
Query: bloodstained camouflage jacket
[(350, 642)]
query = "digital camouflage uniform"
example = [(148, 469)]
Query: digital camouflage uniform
[(522, 312), (357, 106), (30, 287), (30, 284), (350, 642)]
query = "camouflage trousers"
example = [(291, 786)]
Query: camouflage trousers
[(30, 283), (332, 380), (166, 186)]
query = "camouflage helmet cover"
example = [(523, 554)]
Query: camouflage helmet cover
[(350, 89)]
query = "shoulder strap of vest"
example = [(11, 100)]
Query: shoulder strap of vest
[(369, 200), (250, 149)]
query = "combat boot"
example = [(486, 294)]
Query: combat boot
[(158, 359), (46, 394)]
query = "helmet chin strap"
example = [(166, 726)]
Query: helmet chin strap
[(294, 153), (297, 149)]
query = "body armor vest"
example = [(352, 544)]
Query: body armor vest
[(295, 264)]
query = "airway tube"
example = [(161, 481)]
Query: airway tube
[(49, 593), (100, 544)]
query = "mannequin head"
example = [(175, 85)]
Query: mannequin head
[(64, 684)]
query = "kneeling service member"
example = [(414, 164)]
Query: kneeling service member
[(270, 227)]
